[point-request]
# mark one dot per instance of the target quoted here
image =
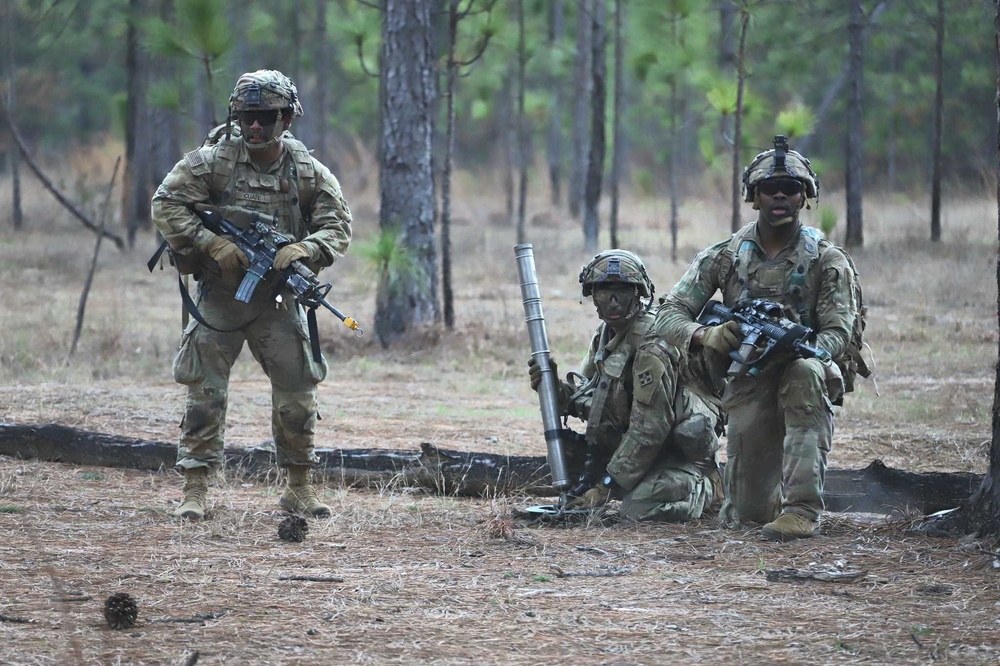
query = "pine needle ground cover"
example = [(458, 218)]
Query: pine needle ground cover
[(405, 578), (400, 577)]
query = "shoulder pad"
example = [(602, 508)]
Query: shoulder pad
[(647, 375), (196, 162), (300, 154)]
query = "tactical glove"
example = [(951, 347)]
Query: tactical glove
[(289, 253), (227, 254), (593, 498), (723, 338), (535, 372)]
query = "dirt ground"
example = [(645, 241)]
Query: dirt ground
[(405, 577)]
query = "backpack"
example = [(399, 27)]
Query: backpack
[(852, 363)]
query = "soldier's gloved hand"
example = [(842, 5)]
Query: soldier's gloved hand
[(227, 254), (593, 498), (535, 372), (723, 338), (289, 253)]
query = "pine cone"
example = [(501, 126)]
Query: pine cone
[(120, 611), (293, 528)]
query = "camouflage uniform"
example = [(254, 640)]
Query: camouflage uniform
[(781, 422), (304, 200), (657, 423)]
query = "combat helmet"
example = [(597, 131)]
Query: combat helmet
[(779, 162), (264, 90), (617, 266)]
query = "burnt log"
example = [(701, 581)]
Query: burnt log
[(875, 488)]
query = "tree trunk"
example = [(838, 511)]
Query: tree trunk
[(855, 131), (938, 125), (17, 213), (138, 186), (320, 95), (165, 148), (405, 167), (832, 93), (727, 58), (598, 113), (980, 514), (581, 107), (451, 74), (735, 199), (618, 136), (557, 28)]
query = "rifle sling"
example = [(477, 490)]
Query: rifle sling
[(192, 308), (314, 335)]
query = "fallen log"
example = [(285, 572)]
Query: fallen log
[(875, 488)]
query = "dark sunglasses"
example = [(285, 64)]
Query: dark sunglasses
[(263, 118), (786, 186)]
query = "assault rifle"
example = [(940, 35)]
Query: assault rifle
[(260, 243), (766, 334)]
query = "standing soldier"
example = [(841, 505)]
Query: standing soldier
[(652, 421), (262, 171), (780, 421)]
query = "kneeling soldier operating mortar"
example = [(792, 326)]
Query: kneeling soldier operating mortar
[(261, 173), (652, 415)]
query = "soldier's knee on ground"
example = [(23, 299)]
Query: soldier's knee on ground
[(672, 496)]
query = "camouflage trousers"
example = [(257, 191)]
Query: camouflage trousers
[(672, 491), (684, 482), (780, 434), (278, 338)]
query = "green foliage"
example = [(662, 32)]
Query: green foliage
[(827, 220), (200, 30), (722, 97), (796, 121), (11, 508), (70, 56), (390, 258), (92, 476)]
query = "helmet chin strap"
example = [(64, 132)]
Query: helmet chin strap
[(634, 311)]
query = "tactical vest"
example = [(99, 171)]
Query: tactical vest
[(798, 288), (285, 195)]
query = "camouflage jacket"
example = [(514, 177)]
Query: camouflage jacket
[(811, 278), (632, 398), (299, 192)]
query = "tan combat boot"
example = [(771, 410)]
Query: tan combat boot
[(195, 494), (790, 526), (300, 495)]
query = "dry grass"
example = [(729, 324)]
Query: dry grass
[(449, 581), (418, 579)]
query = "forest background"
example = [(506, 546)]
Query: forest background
[(435, 578)]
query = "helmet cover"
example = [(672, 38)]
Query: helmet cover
[(264, 90), (616, 266), (779, 162)]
